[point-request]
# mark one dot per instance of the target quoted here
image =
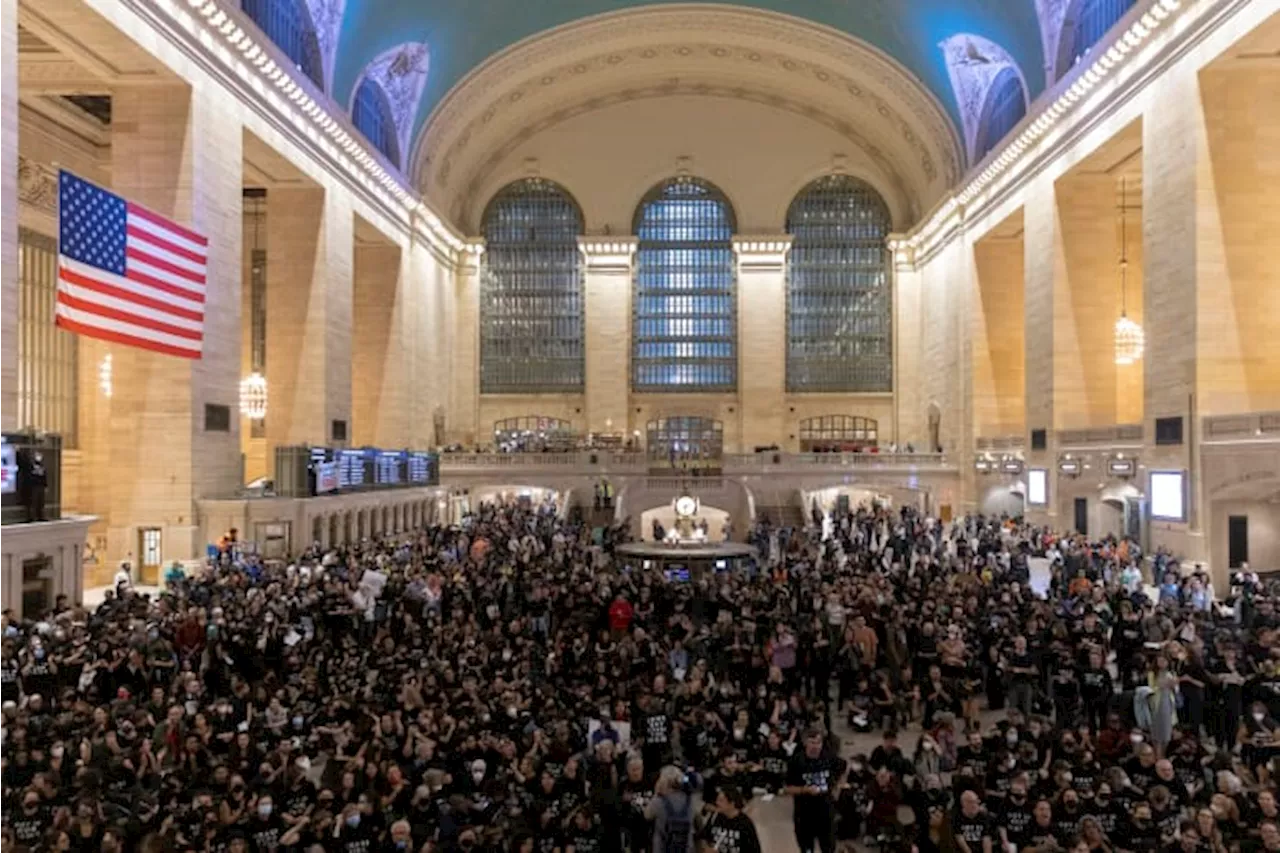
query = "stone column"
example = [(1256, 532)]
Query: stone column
[(380, 368), (608, 331), (465, 409), (762, 338), (1042, 242), (309, 293), (176, 151), (908, 408), (9, 212), (1177, 193)]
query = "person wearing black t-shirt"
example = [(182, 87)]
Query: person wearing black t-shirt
[(1140, 835), (266, 828), (730, 830), (974, 829), (1095, 690), (1023, 671), (635, 791), (655, 728), (773, 764), (813, 780), (1016, 815)]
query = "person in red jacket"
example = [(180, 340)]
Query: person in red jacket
[(620, 614)]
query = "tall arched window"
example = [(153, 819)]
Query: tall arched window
[(1006, 106), (371, 114), (684, 337), (1086, 23), (685, 442), (531, 292), (839, 298), (288, 24)]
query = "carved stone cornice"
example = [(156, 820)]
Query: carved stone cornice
[(766, 253), (608, 255)]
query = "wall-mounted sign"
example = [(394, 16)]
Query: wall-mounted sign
[(1121, 467), (1070, 467)]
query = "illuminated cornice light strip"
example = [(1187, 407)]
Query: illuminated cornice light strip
[(297, 106), (1132, 38)]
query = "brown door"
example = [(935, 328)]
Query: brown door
[(149, 556)]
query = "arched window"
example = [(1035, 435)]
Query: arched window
[(838, 434), (288, 24), (839, 299), (531, 292), (371, 114), (684, 337), (1086, 23), (1006, 106), (686, 442)]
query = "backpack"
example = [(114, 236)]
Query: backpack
[(679, 827)]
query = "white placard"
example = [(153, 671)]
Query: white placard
[(1037, 486)]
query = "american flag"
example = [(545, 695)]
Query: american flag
[(128, 275)]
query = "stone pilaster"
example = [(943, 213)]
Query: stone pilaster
[(465, 409), (175, 152), (608, 332), (380, 387), (762, 338), (1176, 181), (309, 294), (1042, 242), (9, 213)]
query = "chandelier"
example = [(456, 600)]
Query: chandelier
[(1130, 340), (253, 396)]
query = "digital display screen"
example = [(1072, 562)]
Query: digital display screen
[(423, 468), (352, 473), (1168, 495), (1038, 486), (8, 468), (389, 468), (354, 469), (677, 574)]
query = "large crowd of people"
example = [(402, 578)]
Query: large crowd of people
[(501, 685)]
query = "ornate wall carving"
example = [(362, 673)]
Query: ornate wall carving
[(402, 74), (37, 185), (974, 63), (326, 17)]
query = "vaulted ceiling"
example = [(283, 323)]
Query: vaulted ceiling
[(462, 34)]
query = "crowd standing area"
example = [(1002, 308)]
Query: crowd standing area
[(500, 685)]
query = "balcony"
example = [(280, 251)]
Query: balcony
[(745, 464)]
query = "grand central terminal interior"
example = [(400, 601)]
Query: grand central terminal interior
[(319, 270)]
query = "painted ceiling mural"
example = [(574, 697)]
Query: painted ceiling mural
[(461, 34)]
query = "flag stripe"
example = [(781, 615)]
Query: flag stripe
[(142, 273), (167, 225), (123, 288), (122, 333), (140, 236), (159, 265), (89, 299), (65, 298)]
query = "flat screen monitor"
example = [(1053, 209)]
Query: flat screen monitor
[(1168, 495), (8, 468)]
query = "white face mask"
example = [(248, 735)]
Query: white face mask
[(477, 776), (1259, 716)]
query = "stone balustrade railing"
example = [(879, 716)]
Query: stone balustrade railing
[(638, 463)]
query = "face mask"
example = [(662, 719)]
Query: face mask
[(297, 722), (477, 776), (1067, 777), (1011, 738), (56, 752), (39, 654), (1259, 716), (506, 654), (264, 810), (353, 821), (401, 845), (1136, 738)]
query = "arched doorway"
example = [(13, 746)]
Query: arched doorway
[(685, 443)]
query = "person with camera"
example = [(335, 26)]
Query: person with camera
[(813, 780), (671, 811)]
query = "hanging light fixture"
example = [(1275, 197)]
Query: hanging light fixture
[(253, 396), (253, 388), (1130, 340)]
